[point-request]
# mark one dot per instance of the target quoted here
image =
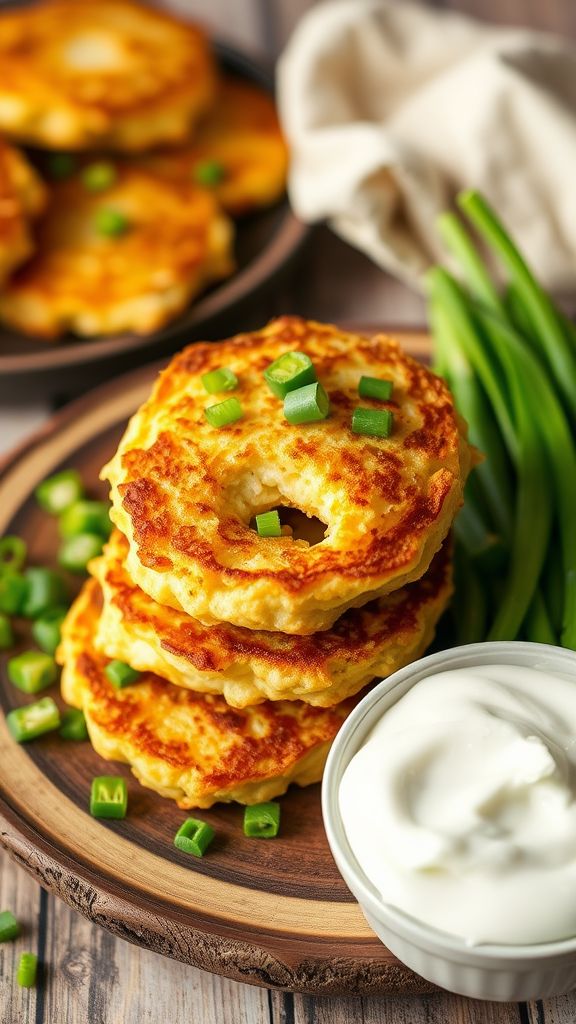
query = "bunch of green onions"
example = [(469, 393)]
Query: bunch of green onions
[(509, 357)]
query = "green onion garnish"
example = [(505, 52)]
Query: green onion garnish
[(372, 422), (108, 797), (262, 821), (224, 413), (45, 589), (33, 720), (194, 837), (9, 927), (6, 633), (120, 674), (59, 491), (307, 405), (86, 517), (73, 725), (209, 172), (268, 524), (75, 552), (13, 592), (111, 223), (26, 972), (32, 671), (99, 176), (46, 629), (375, 387), (290, 371), (219, 380), (12, 554), (61, 165)]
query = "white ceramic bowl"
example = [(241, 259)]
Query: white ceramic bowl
[(503, 972)]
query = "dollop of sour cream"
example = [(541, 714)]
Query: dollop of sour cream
[(460, 806)]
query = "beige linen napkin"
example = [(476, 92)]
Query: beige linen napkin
[(390, 108)]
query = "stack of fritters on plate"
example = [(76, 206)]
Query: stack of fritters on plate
[(142, 154), (252, 650)]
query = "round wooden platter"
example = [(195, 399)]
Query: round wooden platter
[(273, 913)]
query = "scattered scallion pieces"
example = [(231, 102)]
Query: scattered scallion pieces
[(73, 725), (61, 165), (223, 414), (120, 674), (33, 720), (32, 671), (372, 422), (219, 380), (108, 797), (59, 491), (308, 404), (209, 172), (6, 633), (12, 553), (99, 176), (13, 592), (194, 837), (26, 971), (111, 223), (9, 927), (86, 516), (45, 589), (375, 387), (289, 372), (268, 524), (262, 821), (75, 552), (46, 629)]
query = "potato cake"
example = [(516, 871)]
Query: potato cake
[(22, 198), (188, 746), (184, 492)]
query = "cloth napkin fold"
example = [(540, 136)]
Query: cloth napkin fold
[(391, 108)]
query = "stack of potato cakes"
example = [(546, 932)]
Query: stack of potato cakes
[(121, 214), (243, 653)]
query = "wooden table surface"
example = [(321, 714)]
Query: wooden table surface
[(87, 975)]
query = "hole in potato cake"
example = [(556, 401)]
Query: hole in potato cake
[(298, 524)]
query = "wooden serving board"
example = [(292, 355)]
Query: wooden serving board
[(273, 913)]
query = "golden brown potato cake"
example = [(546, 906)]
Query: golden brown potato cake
[(239, 149), (188, 746), (170, 240), (80, 74), (22, 198), (249, 666), (184, 493)]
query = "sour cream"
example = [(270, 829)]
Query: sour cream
[(460, 806)]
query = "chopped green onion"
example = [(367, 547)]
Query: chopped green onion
[(375, 387), (73, 725), (289, 372), (32, 671), (120, 674), (13, 592), (209, 172), (61, 165), (262, 821), (12, 554), (6, 633), (372, 422), (33, 720), (111, 223), (75, 552), (46, 629), (194, 837), (59, 491), (45, 589), (9, 927), (224, 413), (26, 972), (219, 380), (306, 405), (86, 517), (99, 176), (268, 524), (108, 797)]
